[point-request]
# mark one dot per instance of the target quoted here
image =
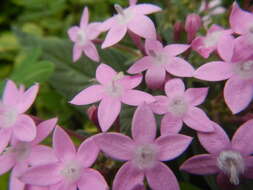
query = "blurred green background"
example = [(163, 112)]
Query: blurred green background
[(34, 47)]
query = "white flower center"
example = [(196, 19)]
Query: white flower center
[(8, 116), (244, 69), (212, 39), (145, 156), (81, 37), (124, 16), (20, 151), (159, 58), (114, 88), (232, 164), (178, 106), (71, 171)]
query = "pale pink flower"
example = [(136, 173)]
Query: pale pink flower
[(144, 154), (180, 106), (230, 160), (13, 122), (192, 25), (160, 59), (32, 187), (83, 35), (132, 18), (114, 89), (238, 90), (20, 154), (71, 170), (211, 42)]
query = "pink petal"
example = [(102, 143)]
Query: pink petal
[(63, 185), (115, 34), (214, 71), (225, 47), (242, 139), (85, 17), (155, 76), (160, 105), (143, 124), (196, 119), (5, 136), (91, 51), (153, 46), (132, 2), (77, 52), (170, 124), (11, 93), (179, 67), (116, 145), (136, 97), (105, 74), (141, 65), (216, 141), (44, 129), (32, 187), (139, 187), (106, 117), (130, 82), (198, 46), (249, 167), (7, 161), (127, 177), (24, 129), (93, 30), (201, 164), (107, 24), (14, 182), (238, 94), (174, 87), (146, 8), (89, 95), (142, 26), (92, 179), (42, 175), (237, 16), (172, 146), (195, 96), (66, 150), (72, 33), (162, 178), (175, 49), (88, 152), (40, 155), (27, 98)]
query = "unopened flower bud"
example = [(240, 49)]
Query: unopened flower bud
[(177, 29), (92, 114), (192, 25)]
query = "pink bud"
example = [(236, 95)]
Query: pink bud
[(192, 25), (177, 29), (92, 114)]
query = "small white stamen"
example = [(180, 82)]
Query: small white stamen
[(115, 89), (244, 69), (212, 39), (8, 116), (81, 38), (71, 171), (232, 164), (178, 106), (119, 9)]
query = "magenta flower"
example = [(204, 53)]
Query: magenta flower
[(20, 154), (132, 18), (160, 59), (82, 37), (144, 154), (230, 160), (13, 121), (211, 42), (180, 106), (113, 89), (238, 90), (71, 170), (192, 25)]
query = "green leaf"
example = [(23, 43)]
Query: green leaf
[(188, 186)]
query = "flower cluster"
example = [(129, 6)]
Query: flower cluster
[(64, 167)]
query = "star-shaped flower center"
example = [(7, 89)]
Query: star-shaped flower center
[(244, 69), (81, 37), (114, 88), (212, 39), (71, 171), (177, 106), (124, 16), (8, 116), (159, 58)]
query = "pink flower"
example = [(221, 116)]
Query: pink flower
[(192, 25), (132, 18), (238, 90), (230, 160), (211, 42), (13, 121), (71, 170), (20, 154), (83, 36), (160, 59), (180, 106), (113, 89), (144, 154)]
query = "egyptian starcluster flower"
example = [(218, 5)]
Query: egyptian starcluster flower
[(71, 170), (83, 35), (230, 160), (180, 106), (13, 122), (144, 154), (160, 59), (113, 89), (21, 155)]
